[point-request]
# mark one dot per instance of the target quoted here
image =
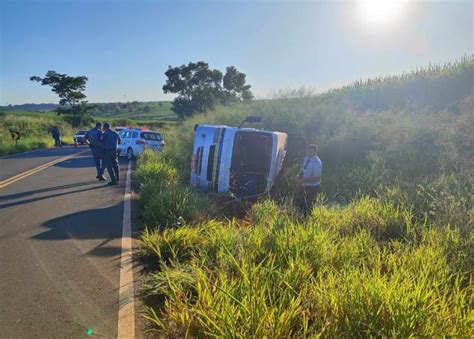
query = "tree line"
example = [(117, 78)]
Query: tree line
[(198, 87)]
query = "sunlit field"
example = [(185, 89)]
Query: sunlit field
[(36, 126), (35, 129), (386, 251)]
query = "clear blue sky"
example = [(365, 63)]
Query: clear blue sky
[(124, 47)]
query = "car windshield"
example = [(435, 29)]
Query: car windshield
[(81, 132), (151, 136)]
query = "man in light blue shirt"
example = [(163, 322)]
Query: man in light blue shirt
[(310, 176)]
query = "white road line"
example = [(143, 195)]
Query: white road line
[(126, 314), (25, 174)]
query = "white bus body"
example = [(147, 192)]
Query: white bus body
[(244, 161)]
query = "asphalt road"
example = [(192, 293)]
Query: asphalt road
[(60, 247)]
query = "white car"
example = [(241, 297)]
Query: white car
[(80, 137), (119, 128), (135, 140)]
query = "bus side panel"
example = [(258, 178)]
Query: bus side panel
[(216, 156), (206, 184), (203, 138), (225, 158), (278, 155), (198, 142)]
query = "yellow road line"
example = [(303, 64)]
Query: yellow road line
[(126, 313), (25, 174)]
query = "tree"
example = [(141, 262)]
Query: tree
[(201, 88), (234, 85), (70, 91)]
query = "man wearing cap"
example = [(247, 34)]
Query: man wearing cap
[(110, 141), (93, 139), (310, 177)]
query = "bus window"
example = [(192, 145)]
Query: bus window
[(199, 160), (210, 162)]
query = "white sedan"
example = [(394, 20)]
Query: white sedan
[(80, 137), (135, 140)]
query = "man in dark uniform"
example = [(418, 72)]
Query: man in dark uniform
[(95, 144), (110, 140), (56, 134)]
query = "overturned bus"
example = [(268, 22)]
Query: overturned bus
[(243, 161)]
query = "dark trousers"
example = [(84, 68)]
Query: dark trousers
[(98, 155), (111, 162), (57, 141), (309, 194)]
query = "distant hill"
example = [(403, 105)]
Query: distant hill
[(152, 110), (148, 111), (29, 107)]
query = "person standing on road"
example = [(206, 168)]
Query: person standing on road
[(56, 134), (93, 138), (310, 176), (110, 141)]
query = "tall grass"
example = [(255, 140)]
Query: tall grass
[(386, 252), (330, 276), (420, 155), (36, 129), (166, 202), (370, 268)]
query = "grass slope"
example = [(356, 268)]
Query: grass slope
[(144, 111), (36, 128), (150, 111), (37, 125), (387, 251)]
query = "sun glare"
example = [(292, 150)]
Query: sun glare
[(380, 13)]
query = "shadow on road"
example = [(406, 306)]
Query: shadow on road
[(27, 201), (49, 152), (82, 161), (44, 190), (100, 223), (85, 160)]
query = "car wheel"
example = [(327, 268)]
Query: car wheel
[(130, 154)]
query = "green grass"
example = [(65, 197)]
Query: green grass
[(326, 276), (419, 156), (155, 112), (37, 125), (370, 268), (386, 252), (36, 128), (154, 115), (166, 202)]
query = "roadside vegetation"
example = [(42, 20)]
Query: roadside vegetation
[(387, 251), (149, 113), (153, 112), (35, 129)]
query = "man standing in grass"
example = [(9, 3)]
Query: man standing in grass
[(56, 136), (110, 141), (310, 176), (93, 139)]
